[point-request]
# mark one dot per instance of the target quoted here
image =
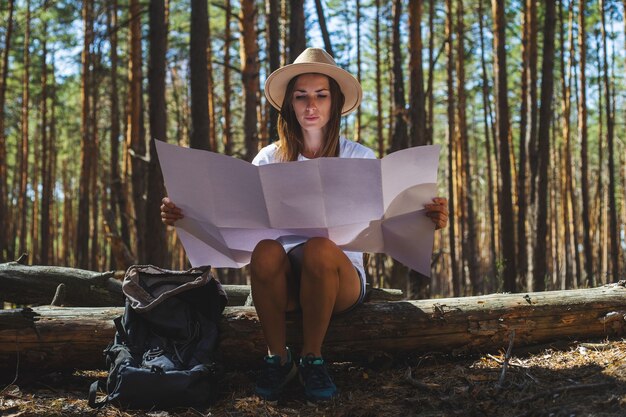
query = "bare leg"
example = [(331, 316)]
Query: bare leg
[(329, 284), (273, 293)]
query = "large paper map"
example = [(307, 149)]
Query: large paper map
[(367, 205)]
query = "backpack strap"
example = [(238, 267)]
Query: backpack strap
[(121, 331), (93, 391)]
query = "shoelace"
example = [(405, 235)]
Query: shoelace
[(317, 375), (273, 372)]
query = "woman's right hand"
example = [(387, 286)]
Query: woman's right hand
[(170, 213)]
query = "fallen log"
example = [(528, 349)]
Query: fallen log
[(371, 331), (37, 284), (40, 285)]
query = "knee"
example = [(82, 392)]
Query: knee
[(320, 255), (267, 258)]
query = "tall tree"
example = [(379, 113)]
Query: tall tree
[(400, 139), (610, 127), (582, 133), (470, 250), (227, 130), (249, 75), (117, 197), (297, 35), (156, 249), (489, 135), (417, 105), (522, 258), (358, 125), (22, 201), (379, 96), (323, 28), (505, 198), (545, 115), (417, 115), (135, 132), (198, 75), (531, 97), (272, 13), (4, 201), (46, 166), (452, 149), (210, 87)]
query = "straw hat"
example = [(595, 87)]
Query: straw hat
[(314, 60)]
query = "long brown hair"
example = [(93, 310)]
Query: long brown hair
[(290, 138)]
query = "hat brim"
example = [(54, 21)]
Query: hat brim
[(276, 83)]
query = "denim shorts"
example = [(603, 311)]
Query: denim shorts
[(295, 259)]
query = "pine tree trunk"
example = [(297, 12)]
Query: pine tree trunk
[(492, 186), (451, 139), (610, 126), (582, 133), (46, 185), (22, 206), (531, 106), (5, 246), (199, 89), (156, 244), (419, 283), (547, 91), (118, 199), (322, 22), (431, 72), (210, 87), (380, 139), (297, 35), (505, 198), (357, 120), (249, 51), (83, 227), (272, 13), (522, 258), (465, 325), (470, 251), (227, 130)]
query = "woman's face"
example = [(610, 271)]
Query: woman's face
[(311, 101)]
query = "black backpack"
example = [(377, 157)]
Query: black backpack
[(164, 351)]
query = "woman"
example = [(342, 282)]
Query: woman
[(312, 275)]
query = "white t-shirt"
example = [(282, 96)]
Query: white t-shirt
[(347, 149)]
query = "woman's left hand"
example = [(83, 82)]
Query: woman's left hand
[(438, 212)]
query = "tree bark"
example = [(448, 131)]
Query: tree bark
[(470, 250), (492, 186), (249, 52), (135, 132), (582, 133), (545, 115), (22, 202), (272, 13), (451, 139), (323, 28), (226, 138), (372, 332), (46, 184), (36, 284), (4, 189), (86, 149), (154, 234), (610, 127), (380, 139), (297, 35), (505, 199), (199, 138)]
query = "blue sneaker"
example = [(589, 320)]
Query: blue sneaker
[(318, 386), (274, 376)]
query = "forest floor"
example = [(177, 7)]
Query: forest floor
[(580, 379)]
